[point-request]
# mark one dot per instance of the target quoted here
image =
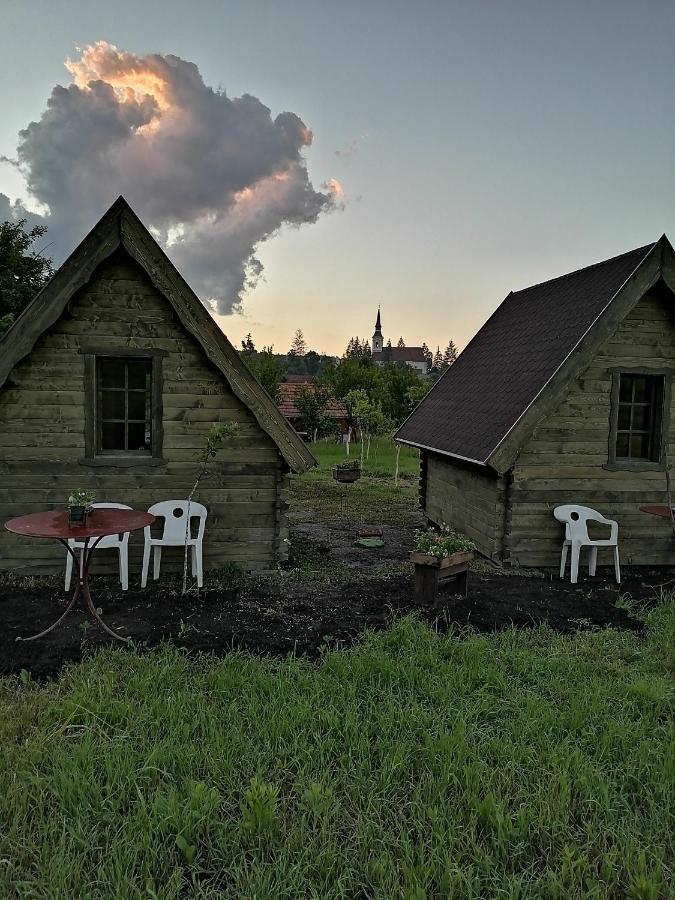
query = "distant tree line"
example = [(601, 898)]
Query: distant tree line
[(377, 397)]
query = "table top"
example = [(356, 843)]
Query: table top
[(662, 511), (100, 522)]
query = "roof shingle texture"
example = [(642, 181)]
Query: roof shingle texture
[(501, 371)]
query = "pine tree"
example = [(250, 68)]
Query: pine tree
[(401, 342), (450, 354), (389, 344), (247, 344), (428, 355), (438, 359), (298, 346)]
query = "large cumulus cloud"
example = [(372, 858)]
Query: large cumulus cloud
[(213, 176)]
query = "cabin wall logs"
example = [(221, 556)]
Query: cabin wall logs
[(42, 434)]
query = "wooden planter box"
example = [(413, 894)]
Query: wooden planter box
[(346, 476), (431, 571)]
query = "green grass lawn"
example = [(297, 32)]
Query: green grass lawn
[(317, 497), (378, 462), (417, 765)]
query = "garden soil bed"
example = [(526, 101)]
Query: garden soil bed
[(332, 592)]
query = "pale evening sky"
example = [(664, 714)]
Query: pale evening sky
[(481, 146)]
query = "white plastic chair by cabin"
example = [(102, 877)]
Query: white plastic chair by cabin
[(174, 513), (576, 519), (119, 542)]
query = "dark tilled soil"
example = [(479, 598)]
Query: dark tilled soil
[(289, 613)]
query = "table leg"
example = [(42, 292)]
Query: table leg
[(87, 597), (82, 584), (68, 608)]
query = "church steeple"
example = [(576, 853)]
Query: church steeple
[(378, 340)]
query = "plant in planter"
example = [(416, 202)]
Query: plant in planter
[(347, 472), (79, 505), (439, 555), (442, 543)]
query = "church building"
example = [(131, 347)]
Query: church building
[(409, 356)]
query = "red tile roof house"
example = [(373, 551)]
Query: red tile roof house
[(289, 390), (563, 396)]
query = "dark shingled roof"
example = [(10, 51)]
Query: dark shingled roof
[(498, 375)]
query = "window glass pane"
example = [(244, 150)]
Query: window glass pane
[(139, 373), (622, 445), (112, 405), (111, 372), (639, 446), (137, 436), (137, 405), (624, 417), (112, 436), (641, 417), (625, 388), (124, 404), (641, 390)]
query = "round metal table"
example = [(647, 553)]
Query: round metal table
[(100, 523)]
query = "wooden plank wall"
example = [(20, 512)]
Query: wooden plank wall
[(468, 498), (563, 462), (42, 438)]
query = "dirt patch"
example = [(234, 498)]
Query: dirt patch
[(331, 592)]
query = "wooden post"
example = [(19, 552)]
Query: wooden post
[(426, 585), (398, 453)]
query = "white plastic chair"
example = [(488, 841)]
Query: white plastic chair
[(119, 542), (174, 513), (575, 519)]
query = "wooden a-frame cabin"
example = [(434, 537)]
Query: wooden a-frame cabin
[(563, 396), (110, 381)]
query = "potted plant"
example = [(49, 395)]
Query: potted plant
[(440, 555), (79, 506), (347, 472), (441, 548)]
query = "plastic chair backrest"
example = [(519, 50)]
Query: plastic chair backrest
[(110, 540), (576, 519), (174, 513)]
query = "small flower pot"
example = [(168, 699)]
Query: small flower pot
[(346, 476), (77, 515)]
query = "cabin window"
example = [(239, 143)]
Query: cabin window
[(124, 387), (123, 407), (639, 417)]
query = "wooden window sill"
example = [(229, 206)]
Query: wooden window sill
[(122, 462)]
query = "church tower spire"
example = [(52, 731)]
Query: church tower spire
[(378, 341)]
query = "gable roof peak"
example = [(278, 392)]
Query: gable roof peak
[(537, 336), (119, 227)]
